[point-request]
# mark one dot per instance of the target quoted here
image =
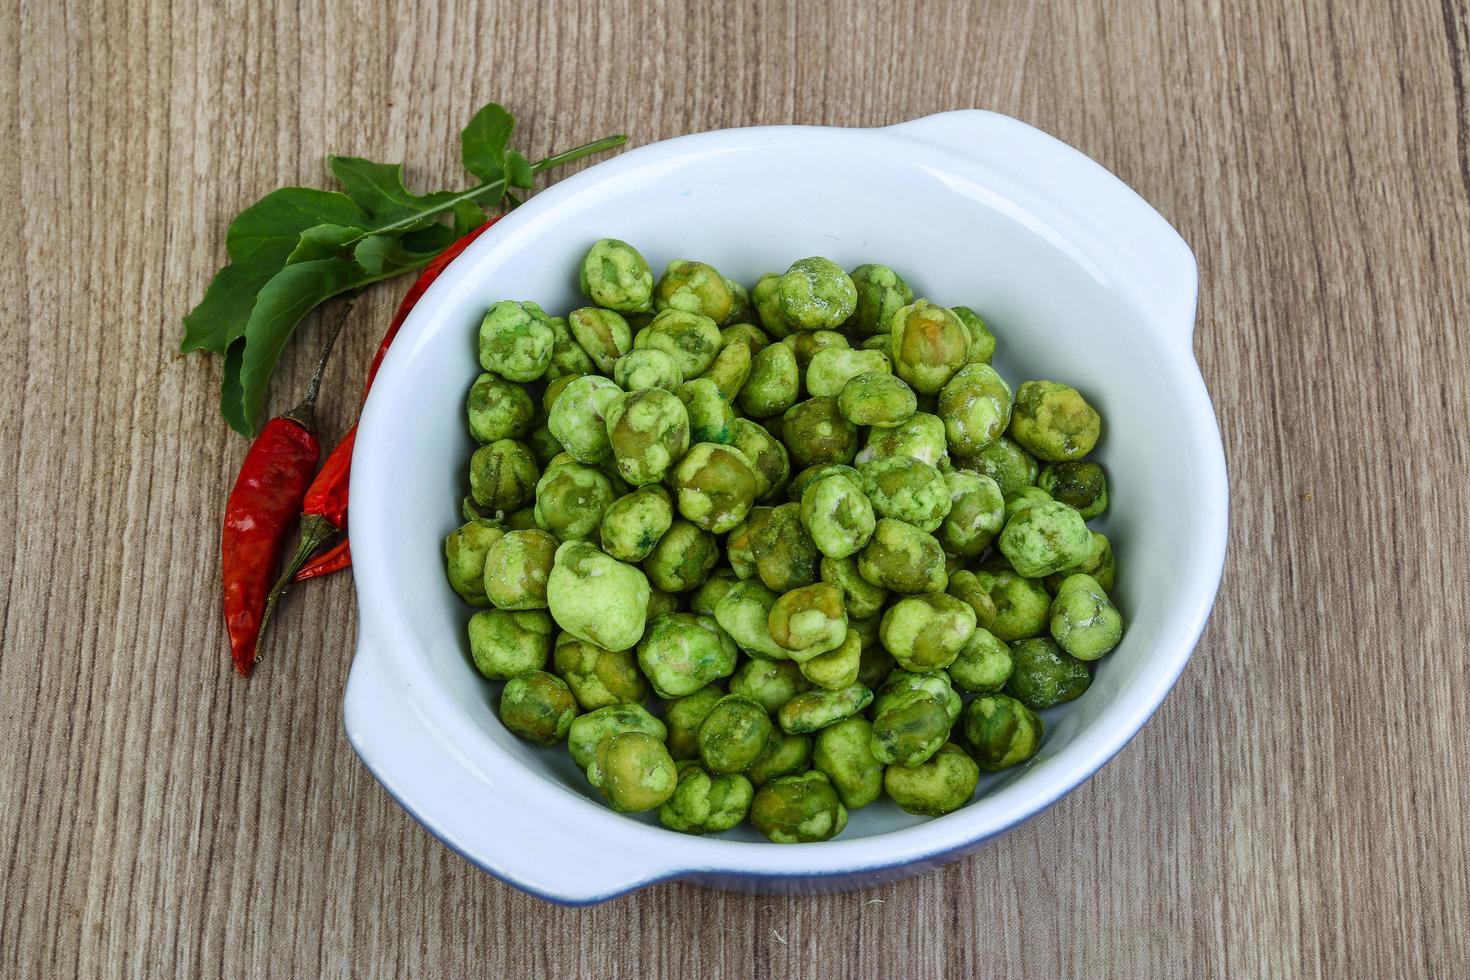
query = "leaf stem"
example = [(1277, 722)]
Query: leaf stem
[(578, 152)]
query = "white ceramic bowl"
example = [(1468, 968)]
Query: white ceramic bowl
[(1082, 282)]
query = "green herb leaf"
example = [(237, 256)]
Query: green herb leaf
[(231, 405), (518, 172), (483, 142), (378, 189), (322, 242), (467, 217)]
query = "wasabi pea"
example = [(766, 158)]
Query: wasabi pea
[(684, 652), (1011, 467), (647, 368), (809, 620), (875, 665), (464, 559), (817, 709), (843, 753), (766, 298), (690, 338), (538, 707), (862, 598), (596, 597), (927, 632), (682, 559), (982, 341), (810, 474), (1044, 674), (516, 340), (837, 668), (769, 683), (907, 489), (504, 643), (1022, 499), (902, 558), (1079, 485), (716, 486), (1054, 422), (694, 287), (1001, 731), (754, 337), (767, 456), (502, 475), (1099, 563), (984, 663), (1045, 538), (976, 407), (498, 410), (615, 276), (733, 735), (742, 310), (589, 731), (598, 677), (633, 524), (578, 419), (568, 359), (929, 345), (934, 683), (648, 431), (603, 334), (816, 432), (832, 368), (785, 755), (877, 399), (976, 514), (685, 715), (744, 613), (516, 569), (706, 804), (784, 554), (634, 772), (966, 586), (837, 514), (774, 384), (1022, 606), (711, 419), (909, 729), (571, 500), (807, 344), (815, 294), (730, 370), (797, 809), (703, 600), (881, 293), (920, 435), (942, 784), (1084, 622)]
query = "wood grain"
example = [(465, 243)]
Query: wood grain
[(1298, 806)]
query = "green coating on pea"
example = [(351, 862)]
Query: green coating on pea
[(590, 730), (909, 729), (1099, 563), (685, 715), (706, 804), (878, 399), (464, 559), (634, 772), (733, 735), (982, 341), (754, 337), (809, 475), (633, 524), (538, 707), (647, 368), (602, 333), (498, 410), (683, 558), (1054, 422), (926, 632), (1023, 499), (809, 620), (767, 456), (813, 710), (715, 486), (568, 359), (711, 419), (838, 667), (876, 663), (843, 753), (921, 436), (901, 683), (837, 514), (908, 490), (703, 600), (774, 383), (938, 786), (816, 294), (742, 310), (502, 475), (692, 340), (902, 558), (815, 432), (929, 344), (1011, 467), (1001, 731), (730, 370), (832, 368), (516, 569), (976, 407), (571, 500), (596, 676), (683, 652), (553, 391), (516, 340), (765, 296), (1079, 485), (614, 275), (807, 344), (770, 683), (596, 597), (984, 663), (505, 643), (579, 417), (1044, 674), (1084, 622), (744, 613), (694, 287), (964, 584), (785, 755), (784, 554), (976, 514), (881, 293), (798, 809), (648, 431), (1044, 538), (543, 445), (1022, 606)]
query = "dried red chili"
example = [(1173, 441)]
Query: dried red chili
[(334, 559), (267, 495)]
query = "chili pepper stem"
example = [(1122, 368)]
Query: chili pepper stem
[(315, 532), (305, 413)]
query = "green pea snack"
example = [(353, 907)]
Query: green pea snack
[(768, 551)]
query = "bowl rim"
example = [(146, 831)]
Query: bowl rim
[(956, 139)]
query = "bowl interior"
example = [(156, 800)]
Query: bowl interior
[(753, 209)]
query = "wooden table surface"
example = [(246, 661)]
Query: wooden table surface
[(1298, 806)]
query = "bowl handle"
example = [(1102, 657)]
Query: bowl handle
[(1129, 238), (481, 815)]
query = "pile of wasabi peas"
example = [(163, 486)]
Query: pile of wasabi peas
[(771, 555)]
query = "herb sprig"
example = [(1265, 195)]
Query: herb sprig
[(297, 247)]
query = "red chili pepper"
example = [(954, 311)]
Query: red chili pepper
[(327, 497), (267, 494)]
